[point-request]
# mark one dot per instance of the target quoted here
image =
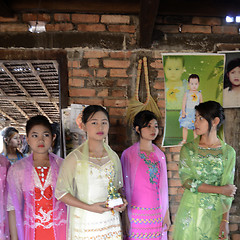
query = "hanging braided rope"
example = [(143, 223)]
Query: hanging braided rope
[(134, 105)]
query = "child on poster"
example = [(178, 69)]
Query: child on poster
[(231, 92), (145, 183), (191, 98), (175, 86), (84, 180), (34, 212)]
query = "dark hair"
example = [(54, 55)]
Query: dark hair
[(90, 110), (230, 66), (143, 118), (7, 134), (38, 120), (56, 131), (210, 110), (173, 57), (193, 76)]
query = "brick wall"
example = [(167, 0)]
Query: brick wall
[(104, 75)]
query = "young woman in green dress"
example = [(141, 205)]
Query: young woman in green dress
[(206, 170)]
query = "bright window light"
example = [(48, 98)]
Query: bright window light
[(238, 19), (229, 19)]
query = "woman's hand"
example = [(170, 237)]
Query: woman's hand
[(122, 207), (223, 230), (99, 207), (228, 190), (166, 222)]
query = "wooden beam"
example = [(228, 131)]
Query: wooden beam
[(147, 18), (30, 99), (14, 104), (83, 6), (24, 90), (35, 73), (5, 10), (9, 117)]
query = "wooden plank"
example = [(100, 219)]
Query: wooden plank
[(147, 18), (5, 10), (90, 6)]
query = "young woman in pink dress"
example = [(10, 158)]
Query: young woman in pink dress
[(145, 182), (4, 230), (34, 212)]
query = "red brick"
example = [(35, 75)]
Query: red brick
[(176, 157), (115, 19), (6, 19), (157, 64), (169, 174), (158, 85), (172, 166), (233, 227), (81, 92), (234, 219), (161, 104), (122, 28), (168, 157), (115, 103), (91, 27), (76, 82), (118, 73), (62, 17), (173, 190), (80, 73), (117, 111), (121, 54), (93, 63), (100, 73), (196, 29), (95, 54), (86, 101), (174, 183), (235, 236), (209, 21), (13, 27), (225, 29), (160, 74), (122, 82), (118, 93), (168, 28), (175, 149), (75, 64), (103, 93), (116, 63), (33, 17), (59, 27), (85, 18)]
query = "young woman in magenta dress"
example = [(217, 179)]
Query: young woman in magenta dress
[(207, 172), (84, 179), (145, 182), (34, 212), (4, 230)]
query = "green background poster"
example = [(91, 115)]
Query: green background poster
[(177, 69)]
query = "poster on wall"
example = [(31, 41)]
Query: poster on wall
[(73, 136), (189, 79), (231, 87)]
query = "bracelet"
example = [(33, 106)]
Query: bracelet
[(224, 220)]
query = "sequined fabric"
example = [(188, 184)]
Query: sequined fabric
[(199, 214)]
